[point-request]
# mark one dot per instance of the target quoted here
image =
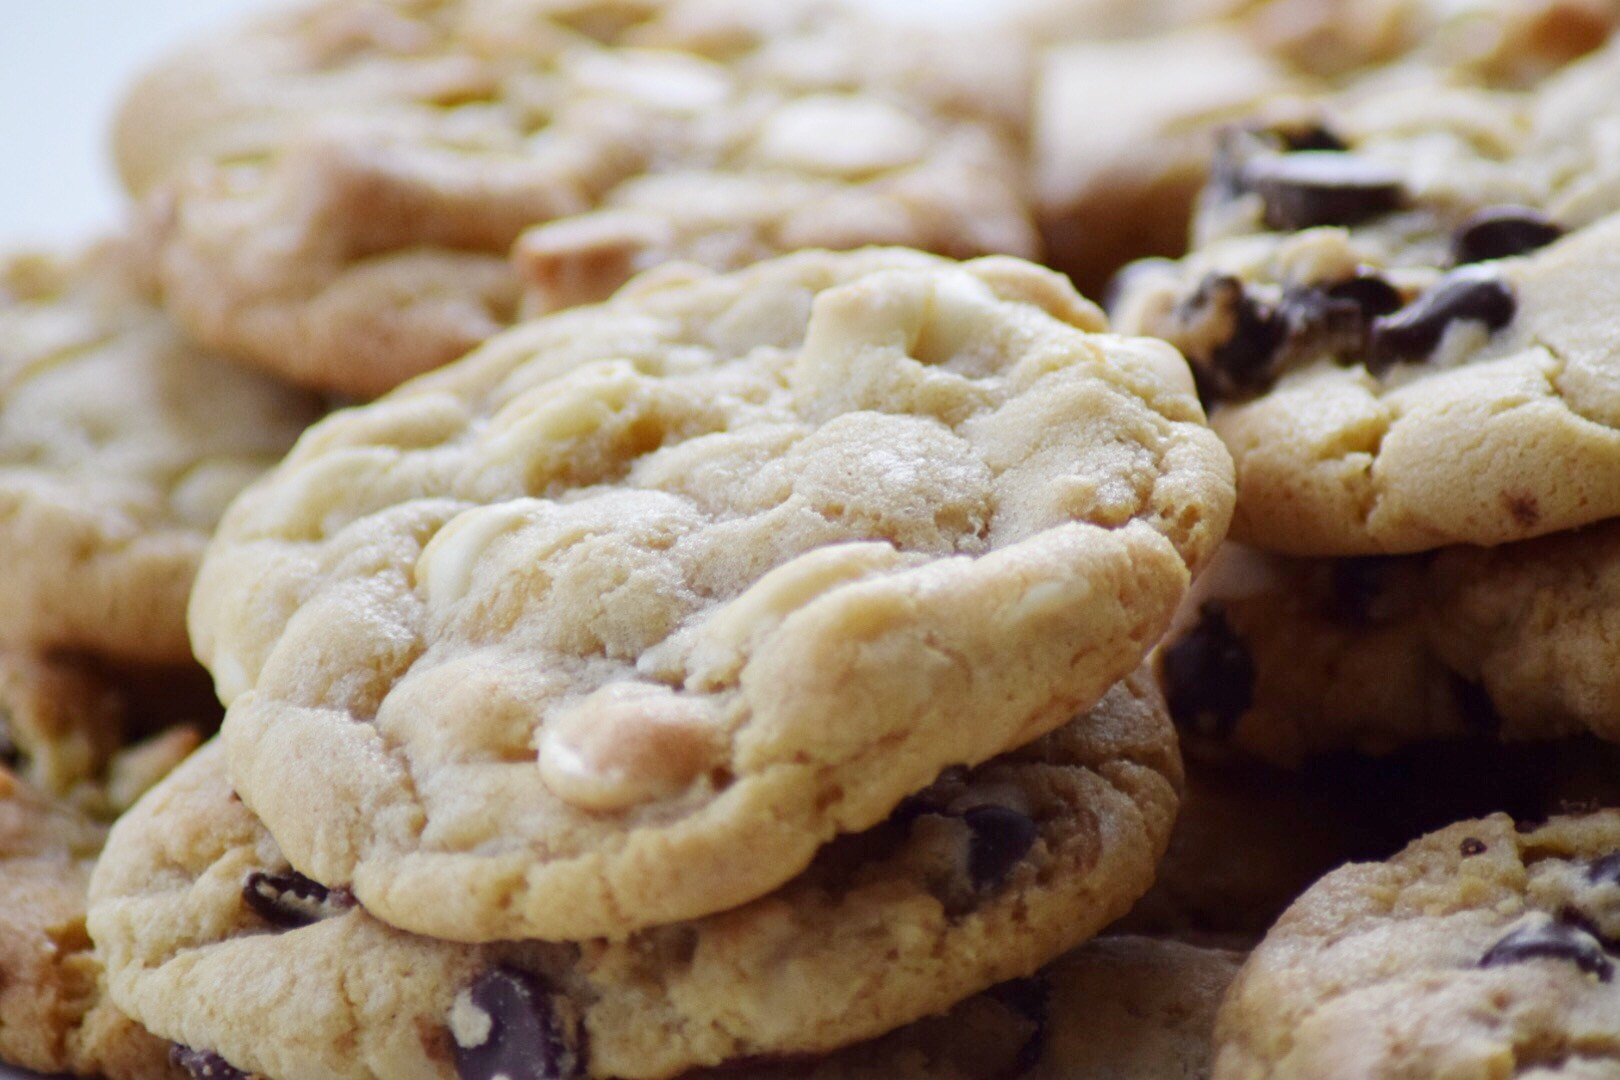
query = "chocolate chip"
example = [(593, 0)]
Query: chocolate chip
[(1320, 187), (1001, 837), (1031, 999), (291, 900), (1552, 940), (1471, 846), (204, 1064), (1369, 292), (1501, 232), (517, 1032), (1231, 338), (1605, 870), (1414, 332), (1209, 675)]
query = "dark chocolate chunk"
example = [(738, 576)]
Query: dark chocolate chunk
[(1231, 338), (1369, 292), (1501, 232), (1605, 870), (1320, 187), (1209, 675), (1414, 332), (1471, 846), (204, 1064), (291, 900), (1555, 941), (1001, 837), (527, 1037)]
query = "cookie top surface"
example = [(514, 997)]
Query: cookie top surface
[(982, 877), (120, 446), (333, 192), (535, 645), (54, 1016), (1401, 302), (1480, 948)]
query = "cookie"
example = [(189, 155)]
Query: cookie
[(213, 940), (534, 646), (120, 445), (1480, 949), (333, 192), (1288, 659), (1117, 1008), (1401, 309), (54, 1015), (74, 730)]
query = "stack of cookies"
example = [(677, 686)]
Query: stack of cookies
[(681, 591)]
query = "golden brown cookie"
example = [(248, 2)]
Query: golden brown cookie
[(332, 192)]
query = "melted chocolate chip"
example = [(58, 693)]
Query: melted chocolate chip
[(1605, 870), (1471, 846), (291, 900), (1501, 232), (1555, 941), (1320, 187), (1001, 837), (1414, 332), (1031, 999), (1369, 292), (1231, 337), (1209, 675), (526, 1038), (204, 1064)]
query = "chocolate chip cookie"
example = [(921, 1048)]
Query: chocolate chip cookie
[(120, 445), (1401, 304), (1482, 948), (333, 192), (212, 939), (1289, 659), (536, 645), (54, 1014)]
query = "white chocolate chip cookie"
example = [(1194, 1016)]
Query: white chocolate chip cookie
[(120, 445), (536, 645), (333, 192)]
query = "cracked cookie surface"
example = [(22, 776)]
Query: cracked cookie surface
[(120, 446), (982, 877), (1403, 309), (333, 192), (535, 645), (54, 1013), (1480, 949)]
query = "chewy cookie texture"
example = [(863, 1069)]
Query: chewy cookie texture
[(535, 645), (980, 877)]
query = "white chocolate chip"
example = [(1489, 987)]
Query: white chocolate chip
[(841, 136), (445, 568), (627, 744)]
